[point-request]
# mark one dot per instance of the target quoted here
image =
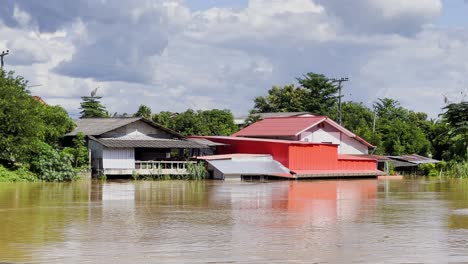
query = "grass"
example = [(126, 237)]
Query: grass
[(456, 170), (19, 175)]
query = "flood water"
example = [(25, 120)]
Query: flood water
[(333, 221)]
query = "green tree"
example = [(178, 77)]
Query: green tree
[(78, 152), (56, 123), (218, 122), (207, 123), (143, 111), (281, 99), (456, 118), (164, 118), (399, 129), (321, 96), (316, 94), (20, 120), (92, 107), (189, 123)]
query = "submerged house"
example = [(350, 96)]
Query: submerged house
[(123, 146), (297, 147), (313, 129)]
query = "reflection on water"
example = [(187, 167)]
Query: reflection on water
[(335, 221)]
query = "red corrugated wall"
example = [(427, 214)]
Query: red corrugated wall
[(357, 164), (295, 156), (313, 157), (279, 151)]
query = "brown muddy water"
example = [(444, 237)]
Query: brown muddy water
[(334, 221)]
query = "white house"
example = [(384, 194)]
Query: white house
[(122, 146)]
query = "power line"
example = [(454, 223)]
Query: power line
[(339, 81), (3, 54)]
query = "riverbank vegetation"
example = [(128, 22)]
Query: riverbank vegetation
[(30, 134), (31, 130)]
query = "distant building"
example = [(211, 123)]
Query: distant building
[(123, 146), (409, 163), (308, 128)]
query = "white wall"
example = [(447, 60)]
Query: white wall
[(329, 134), (352, 146), (119, 158)]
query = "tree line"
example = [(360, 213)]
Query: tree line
[(31, 131), (393, 129)]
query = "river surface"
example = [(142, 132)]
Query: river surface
[(333, 221)]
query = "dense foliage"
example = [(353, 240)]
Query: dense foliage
[(209, 122), (143, 111), (30, 133), (78, 152), (394, 129), (92, 107), (316, 94), (25, 121), (456, 118), (19, 175), (52, 165)]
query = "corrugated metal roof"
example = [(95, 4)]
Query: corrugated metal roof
[(274, 114), (206, 142), (155, 143), (414, 158), (281, 126), (249, 167), (290, 127), (289, 142), (99, 126)]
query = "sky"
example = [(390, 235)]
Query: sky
[(202, 54)]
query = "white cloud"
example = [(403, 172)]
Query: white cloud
[(161, 54)]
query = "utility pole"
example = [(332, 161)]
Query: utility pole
[(3, 54), (339, 81)]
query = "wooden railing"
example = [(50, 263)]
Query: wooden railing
[(162, 167)]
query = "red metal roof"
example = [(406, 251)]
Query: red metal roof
[(279, 126), (291, 126), (289, 142)]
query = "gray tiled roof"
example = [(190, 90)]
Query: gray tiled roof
[(155, 143), (99, 126)]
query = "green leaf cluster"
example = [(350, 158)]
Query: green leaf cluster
[(455, 119), (316, 94), (25, 121), (91, 107), (143, 111), (78, 152), (19, 175), (52, 165), (213, 122)]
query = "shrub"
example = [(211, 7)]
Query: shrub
[(428, 169), (52, 165), (19, 175)]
